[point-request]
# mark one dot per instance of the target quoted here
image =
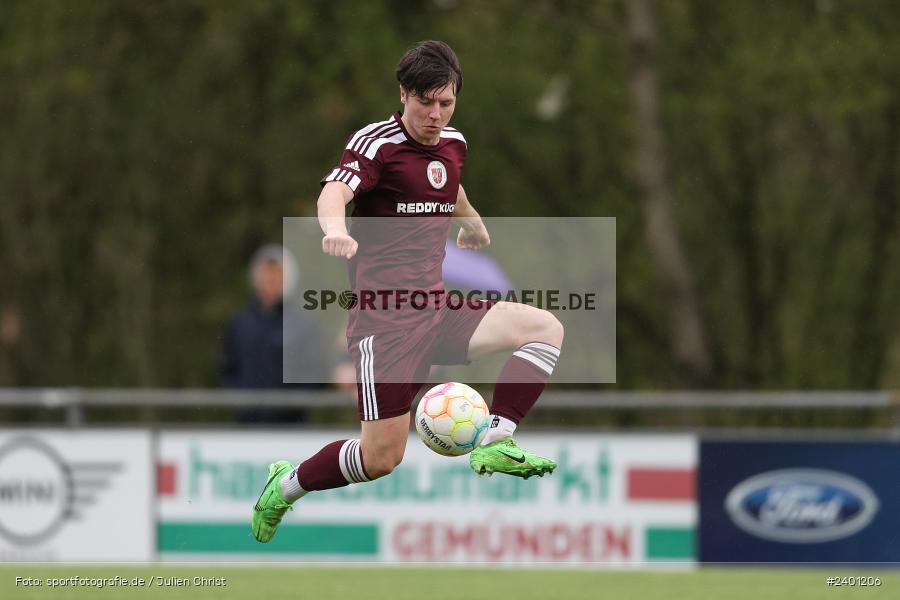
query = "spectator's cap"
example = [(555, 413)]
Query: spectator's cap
[(280, 254)]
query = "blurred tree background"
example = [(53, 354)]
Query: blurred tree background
[(150, 147)]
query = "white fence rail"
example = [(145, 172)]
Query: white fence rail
[(74, 401)]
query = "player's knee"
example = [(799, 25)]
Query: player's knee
[(383, 464), (554, 330), (546, 328)]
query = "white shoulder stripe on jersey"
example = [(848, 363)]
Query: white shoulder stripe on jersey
[(377, 132), (365, 130), (361, 139), (373, 149), (367, 141), (453, 134), (345, 177)]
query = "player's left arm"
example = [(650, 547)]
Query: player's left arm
[(473, 235)]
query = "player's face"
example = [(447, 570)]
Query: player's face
[(268, 278), (425, 116)]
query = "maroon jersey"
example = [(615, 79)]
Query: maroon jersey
[(404, 195)]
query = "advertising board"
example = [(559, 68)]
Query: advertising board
[(798, 502), (614, 499), (82, 495)]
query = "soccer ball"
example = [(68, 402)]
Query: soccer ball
[(452, 418)]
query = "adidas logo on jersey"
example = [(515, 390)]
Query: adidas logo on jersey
[(352, 165)]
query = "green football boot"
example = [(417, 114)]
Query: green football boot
[(271, 506), (504, 456)]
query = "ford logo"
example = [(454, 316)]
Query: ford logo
[(801, 506)]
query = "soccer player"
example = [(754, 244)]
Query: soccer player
[(407, 168)]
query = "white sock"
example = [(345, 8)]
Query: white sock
[(500, 428), (290, 487)]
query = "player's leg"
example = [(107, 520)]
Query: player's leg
[(383, 443), (384, 413), (340, 463), (535, 337), (509, 325)]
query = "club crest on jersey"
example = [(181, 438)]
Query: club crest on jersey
[(437, 174)]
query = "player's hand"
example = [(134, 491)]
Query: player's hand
[(339, 244), (473, 238)]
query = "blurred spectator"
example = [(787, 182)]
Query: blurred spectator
[(267, 334), (464, 269)]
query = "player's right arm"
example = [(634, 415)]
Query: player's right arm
[(337, 241), (357, 172)]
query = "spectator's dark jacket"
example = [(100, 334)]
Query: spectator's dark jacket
[(256, 342)]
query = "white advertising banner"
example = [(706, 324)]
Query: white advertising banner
[(614, 499), (76, 496)]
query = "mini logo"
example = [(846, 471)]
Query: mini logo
[(40, 490), (353, 165), (437, 174), (801, 506), (495, 422)]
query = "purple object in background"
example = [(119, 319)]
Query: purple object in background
[(473, 270)]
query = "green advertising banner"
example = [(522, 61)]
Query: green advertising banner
[(613, 500)]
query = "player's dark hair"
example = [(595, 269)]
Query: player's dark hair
[(427, 66)]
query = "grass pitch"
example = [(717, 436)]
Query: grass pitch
[(244, 582)]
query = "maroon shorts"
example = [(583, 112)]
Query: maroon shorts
[(392, 366)]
